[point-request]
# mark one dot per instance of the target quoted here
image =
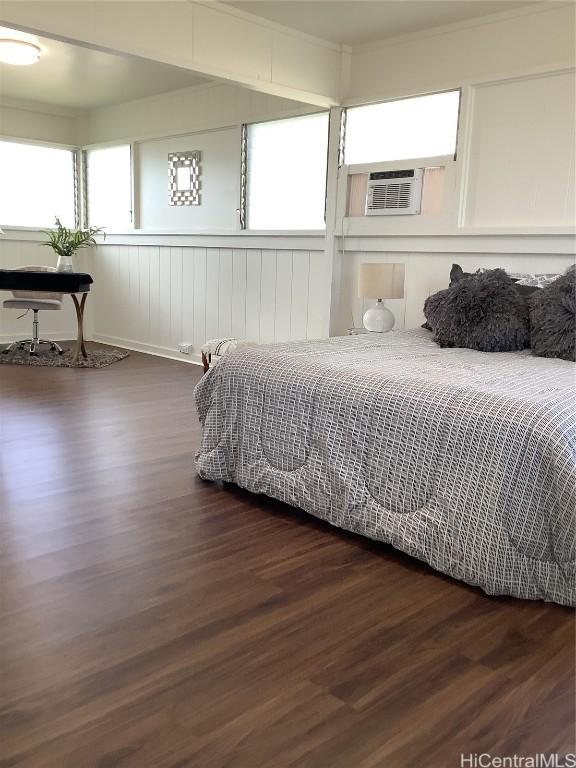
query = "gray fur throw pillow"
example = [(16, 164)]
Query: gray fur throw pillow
[(456, 274), (482, 311), (553, 318)]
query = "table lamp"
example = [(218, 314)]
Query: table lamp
[(380, 281)]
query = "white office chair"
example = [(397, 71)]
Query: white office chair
[(35, 301)]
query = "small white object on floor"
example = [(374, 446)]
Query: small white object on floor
[(217, 348)]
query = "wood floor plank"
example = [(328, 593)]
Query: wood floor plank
[(150, 619)]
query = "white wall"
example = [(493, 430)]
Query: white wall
[(427, 273), (520, 163), (200, 108), (152, 297), (220, 182), (153, 291), (480, 49), (510, 200), (514, 167), (509, 141), (207, 118), (38, 122)]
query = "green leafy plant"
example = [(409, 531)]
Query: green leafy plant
[(65, 242)]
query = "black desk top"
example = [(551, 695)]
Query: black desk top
[(55, 282)]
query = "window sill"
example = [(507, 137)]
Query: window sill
[(33, 234), (216, 233), (305, 240)]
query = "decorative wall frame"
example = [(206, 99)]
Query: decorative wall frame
[(184, 178)]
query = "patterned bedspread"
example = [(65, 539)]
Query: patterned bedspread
[(464, 459)]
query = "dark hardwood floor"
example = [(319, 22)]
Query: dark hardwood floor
[(150, 619)]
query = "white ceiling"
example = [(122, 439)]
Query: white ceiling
[(359, 21), (80, 78)]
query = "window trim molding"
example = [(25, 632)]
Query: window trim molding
[(77, 180), (37, 142), (372, 102), (84, 189), (400, 165)]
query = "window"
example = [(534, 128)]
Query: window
[(36, 185), (109, 178), (286, 173), (425, 126)]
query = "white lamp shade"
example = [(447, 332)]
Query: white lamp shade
[(381, 281)]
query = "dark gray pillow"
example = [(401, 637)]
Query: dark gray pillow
[(457, 274), (553, 319), (483, 312)]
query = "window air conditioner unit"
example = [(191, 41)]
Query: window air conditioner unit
[(392, 193)]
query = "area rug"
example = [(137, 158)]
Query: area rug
[(97, 358)]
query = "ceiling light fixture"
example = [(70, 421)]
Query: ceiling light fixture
[(18, 52)]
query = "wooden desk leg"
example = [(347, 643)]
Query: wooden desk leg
[(80, 348)]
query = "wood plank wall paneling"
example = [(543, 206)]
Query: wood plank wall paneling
[(154, 297), (426, 274)]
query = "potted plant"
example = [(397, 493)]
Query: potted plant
[(65, 242)]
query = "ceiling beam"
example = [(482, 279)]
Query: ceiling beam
[(211, 39)]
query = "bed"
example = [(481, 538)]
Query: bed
[(463, 459)]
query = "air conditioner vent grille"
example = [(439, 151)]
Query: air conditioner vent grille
[(394, 192)]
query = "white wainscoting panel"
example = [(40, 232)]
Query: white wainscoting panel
[(426, 274), (53, 325), (521, 156), (154, 297)]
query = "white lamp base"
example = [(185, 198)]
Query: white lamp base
[(378, 319)]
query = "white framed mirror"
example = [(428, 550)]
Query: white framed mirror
[(184, 178)]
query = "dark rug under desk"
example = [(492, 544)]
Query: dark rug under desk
[(97, 358)]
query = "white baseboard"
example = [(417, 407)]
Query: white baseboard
[(116, 341), (149, 349)]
